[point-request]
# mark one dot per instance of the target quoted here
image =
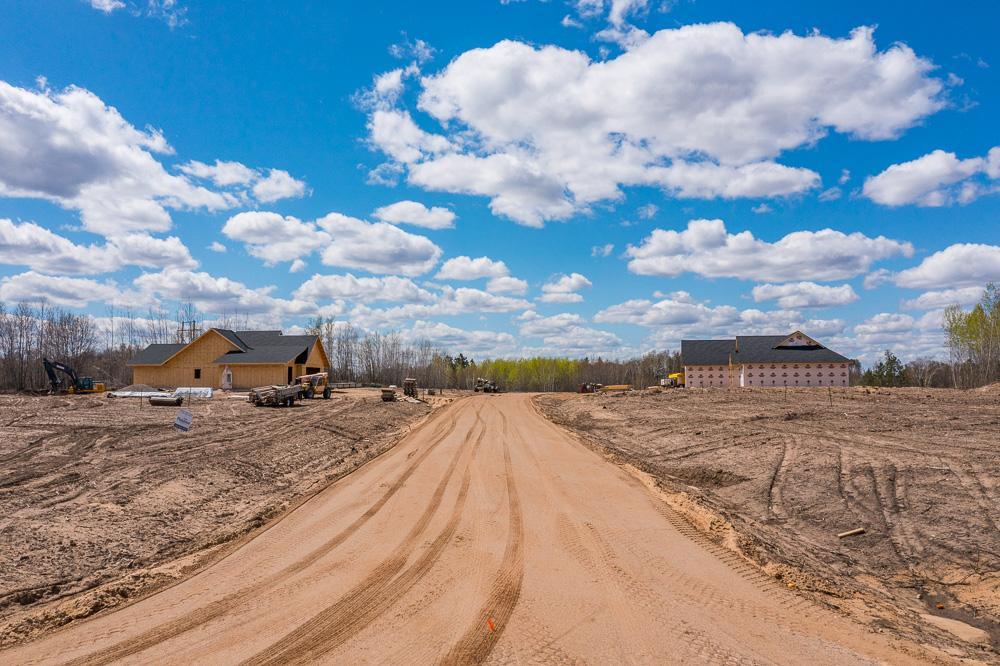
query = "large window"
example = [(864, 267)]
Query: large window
[(197, 373)]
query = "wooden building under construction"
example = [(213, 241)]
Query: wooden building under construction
[(220, 358)]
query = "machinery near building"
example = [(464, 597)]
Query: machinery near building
[(485, 386), (76, 383), (318, 383), (590, 387), (410, 387), (275, 396), (673, 380)]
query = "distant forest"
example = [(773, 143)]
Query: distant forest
[(30, 332)]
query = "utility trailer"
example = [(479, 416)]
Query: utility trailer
[(275, 396)]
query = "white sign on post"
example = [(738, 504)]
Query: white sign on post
[(183, 420)]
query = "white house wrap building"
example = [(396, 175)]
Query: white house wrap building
[(762, 360)]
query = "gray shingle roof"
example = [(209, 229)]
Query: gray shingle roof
[(707, 352), (254, 347), (753, 349), (155, 354), (270, 354)]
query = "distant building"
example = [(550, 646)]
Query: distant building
[(762, 360), (220, 358)]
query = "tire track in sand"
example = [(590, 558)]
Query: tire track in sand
[(224, 605), (480, 637), (383, 587)]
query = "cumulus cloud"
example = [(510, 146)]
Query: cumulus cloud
[(417, 214), (701, 111), (707, 249), (367, 289), (343, 241), (223, 174), (959, 265), (107, 6), (602, 250), (805, 295), (492, 343), (564, 288), (376, 247), (938, 178), (32, 287), (273, 237), (277, 185), (216, 246), (70, 148), (28, 244), (212, 294), (448, 302), (931, 300), (467, 268), (507, 285), (677, 316)]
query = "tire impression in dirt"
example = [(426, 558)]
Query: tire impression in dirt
[(487, 535)]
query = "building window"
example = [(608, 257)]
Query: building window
[(197, 373)]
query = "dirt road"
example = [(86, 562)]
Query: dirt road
[(488, 534)]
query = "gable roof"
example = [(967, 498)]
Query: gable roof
[(754, 349), (155, 354), (252, 347)]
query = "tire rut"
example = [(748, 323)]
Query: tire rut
[(224, 605)]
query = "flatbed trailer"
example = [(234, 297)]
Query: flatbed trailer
[(275, 396)]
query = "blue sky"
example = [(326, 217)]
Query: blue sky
[(565, 177)]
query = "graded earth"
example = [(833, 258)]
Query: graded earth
[(487, 534)]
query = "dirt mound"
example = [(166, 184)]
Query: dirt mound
[(144, 388), (991, 389)]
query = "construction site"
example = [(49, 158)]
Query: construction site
[(854, 524)]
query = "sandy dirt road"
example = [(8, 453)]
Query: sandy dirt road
[(487, 535)]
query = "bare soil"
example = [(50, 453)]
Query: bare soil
[(488, 535), (102, 500), (776, 476)]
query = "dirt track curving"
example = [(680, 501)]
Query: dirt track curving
[(488, 535)]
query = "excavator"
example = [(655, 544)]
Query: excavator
[(76, 383)]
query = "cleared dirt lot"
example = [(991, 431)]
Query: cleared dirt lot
[(487, 535), (777, 476), (101, 501)]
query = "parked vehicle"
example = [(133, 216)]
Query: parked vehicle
[(315, 384), (76, 383)]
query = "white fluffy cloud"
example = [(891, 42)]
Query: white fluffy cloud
[(417, 214), (564, 288), (491, 343), (938, 178), (28, 244), (273, 237), (212, 294), (448, 302), (959, 265), (277, 185), (707, 249), (376, 247), (107, 6), (467, 268), (70, 148), (805, 295), (507, 285), (931, 300), (367, 289), (343, 241), (701, 111), (32, 287)]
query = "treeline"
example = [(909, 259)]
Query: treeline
[(386, 358), (973, 339)]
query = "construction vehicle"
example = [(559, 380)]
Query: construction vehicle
[(76, 383), (590, 387), (275, 396), (410, 387), (673, 380), (485, 386), (389, 394), (315, 384)]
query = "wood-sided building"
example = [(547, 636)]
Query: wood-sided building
[(764, 361), (220, 358)]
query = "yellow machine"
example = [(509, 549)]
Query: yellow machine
[(76, 384), (673, 380), (315, 384)]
